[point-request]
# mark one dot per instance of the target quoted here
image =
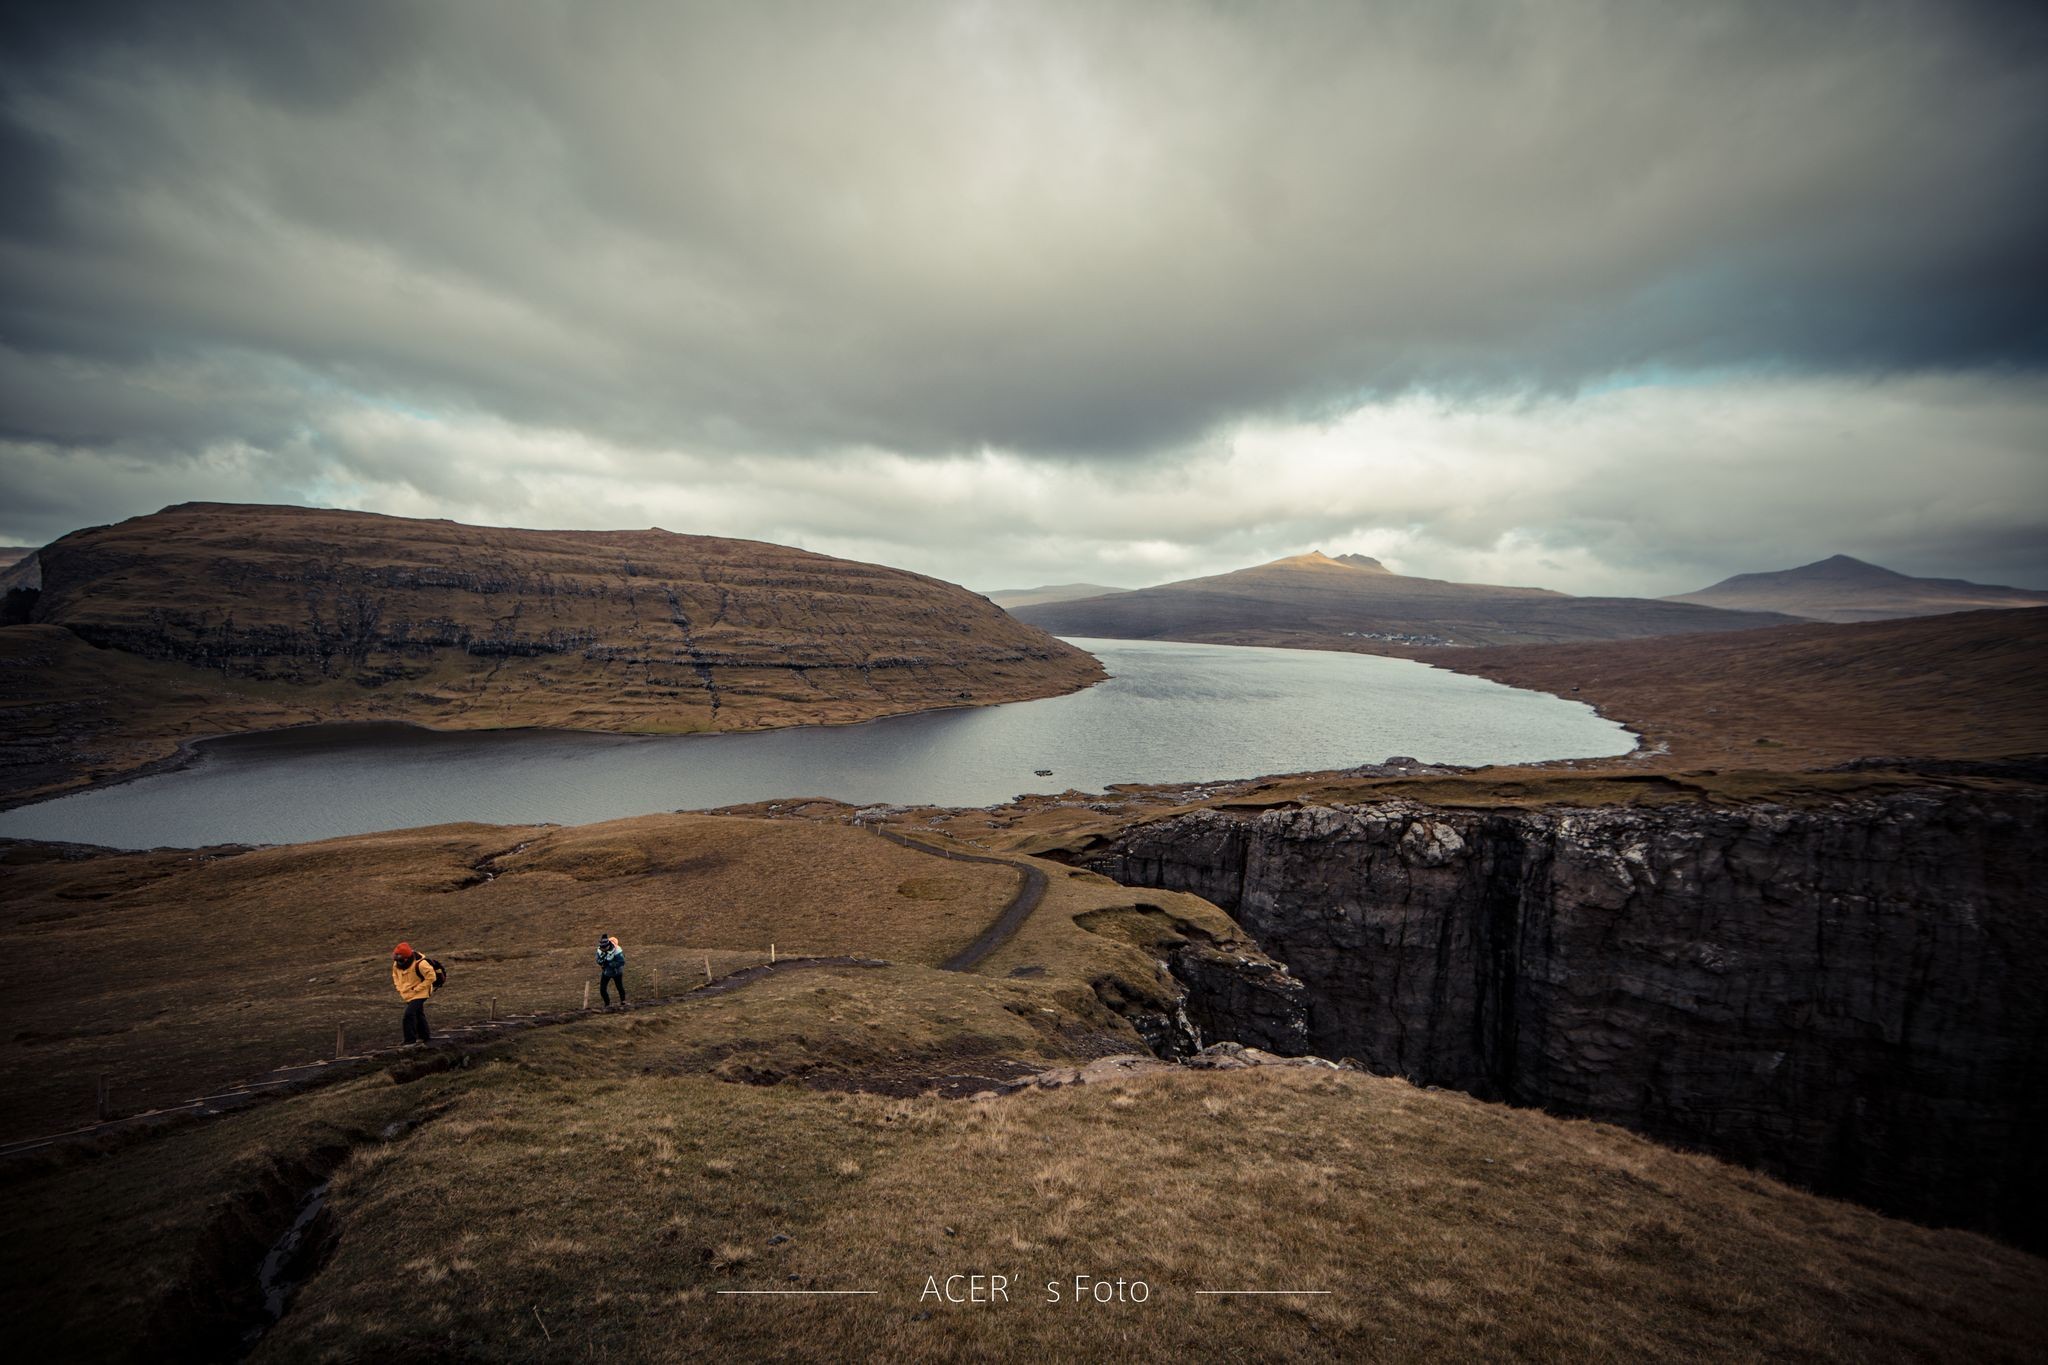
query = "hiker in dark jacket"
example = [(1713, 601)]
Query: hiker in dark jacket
[(611, 969), (413, 975)]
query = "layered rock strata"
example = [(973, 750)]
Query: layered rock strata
[(1849, 996)]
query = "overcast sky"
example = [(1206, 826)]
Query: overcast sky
[(1609, 297)]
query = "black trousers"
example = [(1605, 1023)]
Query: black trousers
[(606, 981), (416, 1030)]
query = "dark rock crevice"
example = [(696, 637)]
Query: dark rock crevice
[(1848, 996), (236, 1285), (1204, 990), (269, 1237)]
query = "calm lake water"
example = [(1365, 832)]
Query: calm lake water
[(1169, 713)]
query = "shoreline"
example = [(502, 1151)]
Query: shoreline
[(186, 754), (191, 751)]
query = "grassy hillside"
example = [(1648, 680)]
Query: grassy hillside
[(588, 1189), (1969, 685), (207, 618), (573, 1196), (188, 970)]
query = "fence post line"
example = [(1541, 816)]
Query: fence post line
[(586, 993), (771, 954), (707, 968)]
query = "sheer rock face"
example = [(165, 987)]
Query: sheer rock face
[(1851, 995), (597, 629)]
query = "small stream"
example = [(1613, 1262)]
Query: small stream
[(290, 1262)]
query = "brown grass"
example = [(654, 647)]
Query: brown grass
[(609, 1176), (184, 971), (106, 1261), (896, 1030), (213, 618), (615, 1204), (1970, 685), (175, 971)]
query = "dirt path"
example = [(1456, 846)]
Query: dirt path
[(1021, 905), (454, 1045)]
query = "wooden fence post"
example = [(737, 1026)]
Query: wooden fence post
[(586, 994), (340, 1041), (707, 968), (771, 954)]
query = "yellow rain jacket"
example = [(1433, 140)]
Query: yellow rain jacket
[(415, 982)]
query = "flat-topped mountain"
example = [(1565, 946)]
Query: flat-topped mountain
[(236, 617), (1350, 601), (1840, 588), (1011, 598)]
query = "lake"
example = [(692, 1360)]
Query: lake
[(1169, 713)]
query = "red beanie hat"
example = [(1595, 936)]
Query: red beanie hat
[(402, 950)]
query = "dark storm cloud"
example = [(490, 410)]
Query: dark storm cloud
[(1605, 295), (1084, 229)]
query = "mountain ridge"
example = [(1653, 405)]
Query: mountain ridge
[(1314, 598), (1007, 598), (1842, 588)]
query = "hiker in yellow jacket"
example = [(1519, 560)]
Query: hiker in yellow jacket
[(414, 977)]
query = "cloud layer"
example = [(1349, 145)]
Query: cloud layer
[(754, 258)]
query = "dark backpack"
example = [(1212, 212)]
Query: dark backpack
[(440, 974)]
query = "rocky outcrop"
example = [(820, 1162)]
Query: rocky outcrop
[(1241, 997), (1198, 989), (1849, 996), (1215, 1057)]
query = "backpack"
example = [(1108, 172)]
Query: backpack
[(440, 974)]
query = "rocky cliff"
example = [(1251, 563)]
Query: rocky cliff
[(698, 630), (222, 618), (1848, 995)]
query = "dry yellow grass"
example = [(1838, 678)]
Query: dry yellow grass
[(1441, 1226), (1970, 685), (895, 1030), (185, 971), (173, 972), (585, 1192)]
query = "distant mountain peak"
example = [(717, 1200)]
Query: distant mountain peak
[(1007, 598), (1844, 588), (1835, 566), (1316, 559)]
